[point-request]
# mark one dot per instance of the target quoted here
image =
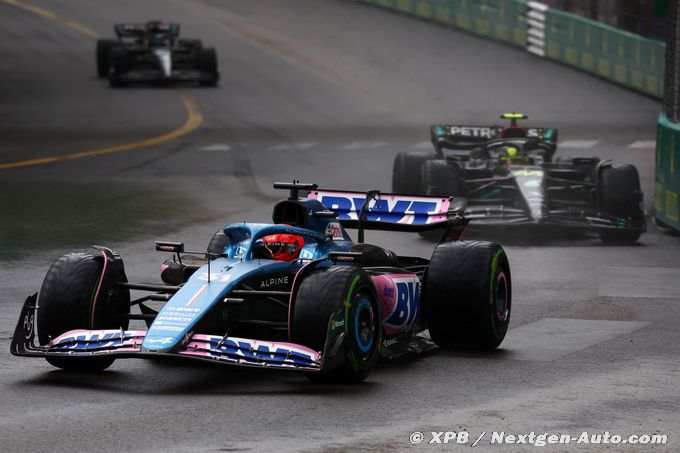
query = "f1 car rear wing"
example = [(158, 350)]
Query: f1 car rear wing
[(373, 210), (136, 30), (463, 137)]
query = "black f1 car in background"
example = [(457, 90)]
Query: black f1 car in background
[(297, 294), (509, 177), (154, 52)]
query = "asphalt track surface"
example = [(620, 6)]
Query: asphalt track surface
[(326, 92)]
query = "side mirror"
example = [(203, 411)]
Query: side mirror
[(173, 247)]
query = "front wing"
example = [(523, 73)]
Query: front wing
[(568, 217), (122, 343), (179, 75)]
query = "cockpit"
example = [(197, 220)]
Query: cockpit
[(519, 151)]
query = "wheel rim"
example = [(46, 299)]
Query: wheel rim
[(501, 300), (364, 324)]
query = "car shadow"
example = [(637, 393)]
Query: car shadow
[(158, 378), (535, 237), (493, 354), (161, 85)]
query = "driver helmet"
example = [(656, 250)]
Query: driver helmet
[(511, 155), (284, 247)]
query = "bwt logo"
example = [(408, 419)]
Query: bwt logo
[(407, 302), (393, 209), (107, 340), (241, 350)]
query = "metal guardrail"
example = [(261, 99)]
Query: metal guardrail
[(501, 20), (605, 51)]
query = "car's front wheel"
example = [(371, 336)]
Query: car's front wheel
[(77, 293), (120, 63), (206, 61), (103, 56), (620, 195), (346, 295)]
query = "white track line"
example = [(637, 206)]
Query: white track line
[(363, 145), (643, 144), (580, 144), (216, 147), (290, 146)]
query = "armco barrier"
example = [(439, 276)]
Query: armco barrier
[(610, 53), (502, 20), (599, 49), (667, 188)]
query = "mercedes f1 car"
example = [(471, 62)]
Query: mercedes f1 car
[(508, 176), (297, 294), (153, 52)]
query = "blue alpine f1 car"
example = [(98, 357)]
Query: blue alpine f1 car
[(297, 294)]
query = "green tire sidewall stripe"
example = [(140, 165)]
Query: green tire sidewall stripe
[(347, 304), (492, 294)]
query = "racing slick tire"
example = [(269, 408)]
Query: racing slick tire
[(206, 61), (467, 295), (77, 294), (441, 179), (194, 44), (104, 47), (350, 291), (620, 195), (406, 175), (120, 63)]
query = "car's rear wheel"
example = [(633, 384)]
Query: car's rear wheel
[(406, 172), (193, 44), (103, 58), (77, 294), (467, 295), (619, 194), (346, 293), (441, 179)]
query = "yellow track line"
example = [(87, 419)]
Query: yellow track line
[(33, 9), (82, 29), (193, 121)]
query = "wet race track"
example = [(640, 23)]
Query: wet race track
[(326, 92)]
